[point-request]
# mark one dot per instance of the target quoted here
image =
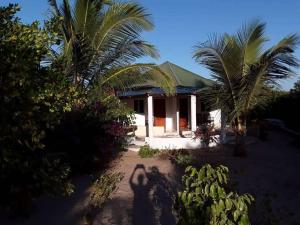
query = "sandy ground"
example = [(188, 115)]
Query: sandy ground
[(270, 173), (145, 194)]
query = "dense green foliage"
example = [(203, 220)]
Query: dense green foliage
[(244, 71), (50, 126), (147, 152), (207, 200), (280, 105), (90, 135), (33, 97), (184, 160)]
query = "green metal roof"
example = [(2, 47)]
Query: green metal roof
[(184, 77)]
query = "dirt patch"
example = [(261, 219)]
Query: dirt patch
[(145, 195)]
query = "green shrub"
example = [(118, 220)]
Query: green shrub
[(184, 160), (90, 136), (33, 98), (147, 152), (207, 200)]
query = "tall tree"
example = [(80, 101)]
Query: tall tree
[(101, 41), (244, 71)]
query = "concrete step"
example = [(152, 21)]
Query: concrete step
[(138, 143)]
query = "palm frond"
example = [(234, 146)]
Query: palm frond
[(242, 70), (119, 21), (125, 77), (102, 40)]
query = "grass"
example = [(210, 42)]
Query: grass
[(147, 152)]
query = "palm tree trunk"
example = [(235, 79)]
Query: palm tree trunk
[(223, 128), (240, 133)]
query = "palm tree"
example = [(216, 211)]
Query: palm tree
[(244, 71), (101, 40)]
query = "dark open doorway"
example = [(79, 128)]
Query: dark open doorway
[(183, 113), (159, 112)]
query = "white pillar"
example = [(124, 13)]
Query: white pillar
[(177, 116), (193, 113), (150, 116)]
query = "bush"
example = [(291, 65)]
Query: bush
[(207, 200), (91, 135), (102, 189), (147, 152), (184, 160), (33, 98), (280, 105), (206, 133)]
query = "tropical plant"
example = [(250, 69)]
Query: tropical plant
[(205, 199), (244, 72), (206, 133), (101, 39)]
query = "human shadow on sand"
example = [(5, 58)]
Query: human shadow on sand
[(153, 197)]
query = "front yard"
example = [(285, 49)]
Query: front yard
[(145, 195)]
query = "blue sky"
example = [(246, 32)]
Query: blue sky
[(180, 25)]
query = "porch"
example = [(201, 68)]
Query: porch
[(168, 122)]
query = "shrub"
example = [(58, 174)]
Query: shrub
[(102, 189), (33, 98), (91, 135), (184, 160), (206, 133), (206, 200), (147, 152)]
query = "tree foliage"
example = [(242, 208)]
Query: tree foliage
[(243, 69), (101, 39), (32, 97), (244, 72)]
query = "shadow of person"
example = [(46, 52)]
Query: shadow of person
[(143, 211), (163, 196)]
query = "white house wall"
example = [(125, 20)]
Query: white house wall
[(139, 118), (216, 115), (171, 108)]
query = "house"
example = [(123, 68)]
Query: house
[(169, 121)]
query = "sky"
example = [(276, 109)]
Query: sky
[(180, 25)]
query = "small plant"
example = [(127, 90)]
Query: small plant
[(102, 190), (206, 200), (206, 133), (184, 160), (147, 152)]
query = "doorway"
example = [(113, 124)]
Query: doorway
[(183, 113), (159, 112)]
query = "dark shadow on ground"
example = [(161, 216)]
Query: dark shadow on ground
[(153, 197), (57, 210)]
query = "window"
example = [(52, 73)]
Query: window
[(139, 106)]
